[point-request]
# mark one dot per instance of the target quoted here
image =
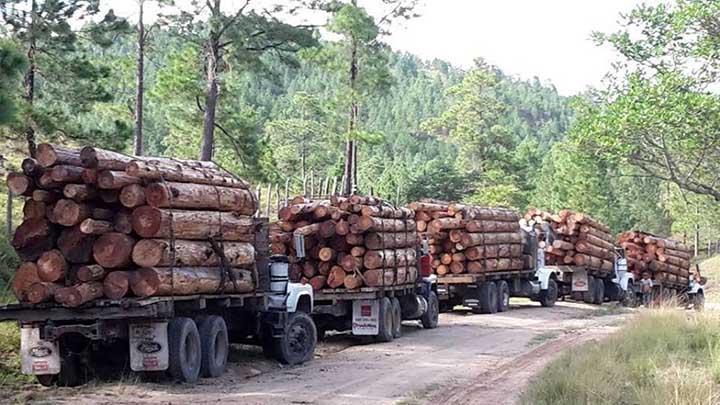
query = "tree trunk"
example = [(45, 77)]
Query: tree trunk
[(151, 222), (475, 239), (177, 171), (50, 155), (66, 174), (162, 281), (25, 276), (82, 293), (42, 292), (110, 179), (80, 192), (33, 237), (116, 284), (95, 227), (352, 281), (52, 266), (113, 250), (140, 83), (132, 196), (31, 209), (375, 259), (200, 196), (365, 223), (378, 241), (20, 184), (379, 277), (212, 94), (91, 272), (336, 278), (188, 253), (491, 226), (69, 213)]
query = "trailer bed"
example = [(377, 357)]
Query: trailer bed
[(128, 308), (473, 278), (363, 293)]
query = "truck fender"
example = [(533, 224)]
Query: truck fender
[(543, 275), (295, 291), (625, 280)]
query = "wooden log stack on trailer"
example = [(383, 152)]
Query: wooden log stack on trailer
[(470, 239), (349, 242), (573, 239), (666, 260), (104, 224)]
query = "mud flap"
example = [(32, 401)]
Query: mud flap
[(38, 357), (580, 281), (149, 346), (366, 317)]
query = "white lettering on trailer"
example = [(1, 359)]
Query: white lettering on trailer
[(38, 356), (366, 317), (149, 346)]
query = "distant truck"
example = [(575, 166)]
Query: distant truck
[(185, 336), (490, 292)]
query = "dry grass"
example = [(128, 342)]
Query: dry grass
[(664, 356), (710, 268)]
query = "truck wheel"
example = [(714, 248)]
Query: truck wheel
[(70, 373), (589, 295), (297, 343), (185, 352), (630, 298), (488, 297), (397, 317), (429, 319), (612, 291), (549, 296), (599, 291), (47, 380), (503, 296), (214, 346), (577, 295), (385, 328), (699, 301)]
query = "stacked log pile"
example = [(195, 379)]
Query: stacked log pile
[(576, 239), (103, 224), (470, 239), (349, 242), (665, 259)]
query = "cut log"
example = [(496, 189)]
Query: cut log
[(378, 241), (76, 246), (484, 213), (116, 285), (336, 278), (95, 227), (423, 206), (375, 259), (493, 251), (309, 270), (441, 224), (50, 155), (123, 222), (132, 196), (102, 159), (367, 223), (109, 196), (48, 197), (68, 212), (66, 174), (151, 222), (33, 209), (109, 179), (358, 251), (89, 176), (327, 254), (352, 281), (163, 281), (52, 266), (307, 230), (385, 211), (113, 250), (327, 229), (355, 239), (318, 282), (350, 262), (33, 237), (80, 192), (92, 272), (25, 276), (475, 239), (190, 253), (42, 292), (457, 267), (82, 293), (491, 226), (20, 184), (201, 196), (181, 173)]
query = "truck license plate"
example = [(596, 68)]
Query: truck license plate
[(38, 357), (149, 346), (366, 317)]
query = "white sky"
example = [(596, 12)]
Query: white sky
[(549, 39)]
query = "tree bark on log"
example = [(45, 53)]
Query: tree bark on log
[(33, 209), (168, 172), (113, 250), (441, 224), (151, 222), (91, 272), (375, 259), (94, 227), (384, 211), (69, 213), (109, 179), (25, 276), (161, 281), (66, 174), (82, 293), (201, 196), (475, 239), (20, 184), (491, 226), (123, 222), (190, 253), (42, 292), (80, 192), (33, 237), (378, 241), (366, 223), (352, 281), (48, 197), (50, 155), (336, 278)]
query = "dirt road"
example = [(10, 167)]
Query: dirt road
[(468, 359)]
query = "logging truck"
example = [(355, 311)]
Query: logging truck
[(490, 292), (377, 312), (185, 336)]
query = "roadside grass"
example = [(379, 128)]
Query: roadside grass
[(543, 337), (664, 356), (10, 374), (710, 268)]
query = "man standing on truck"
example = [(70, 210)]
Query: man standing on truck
[(646, 284)]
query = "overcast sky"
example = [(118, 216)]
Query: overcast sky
[(549, 39)]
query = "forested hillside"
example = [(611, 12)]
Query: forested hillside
[(283, 111)]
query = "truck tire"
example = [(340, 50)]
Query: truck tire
[(429, 319), (577, 295), (397, 317), (214, 346), (503, 296), (185, 353), (589, 295), (385, 328), (549, 296), (630, 298), (297, 344), (612, 291), (47, 380), (488, 297), (699, 301), (599, 291), (71, 373)]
